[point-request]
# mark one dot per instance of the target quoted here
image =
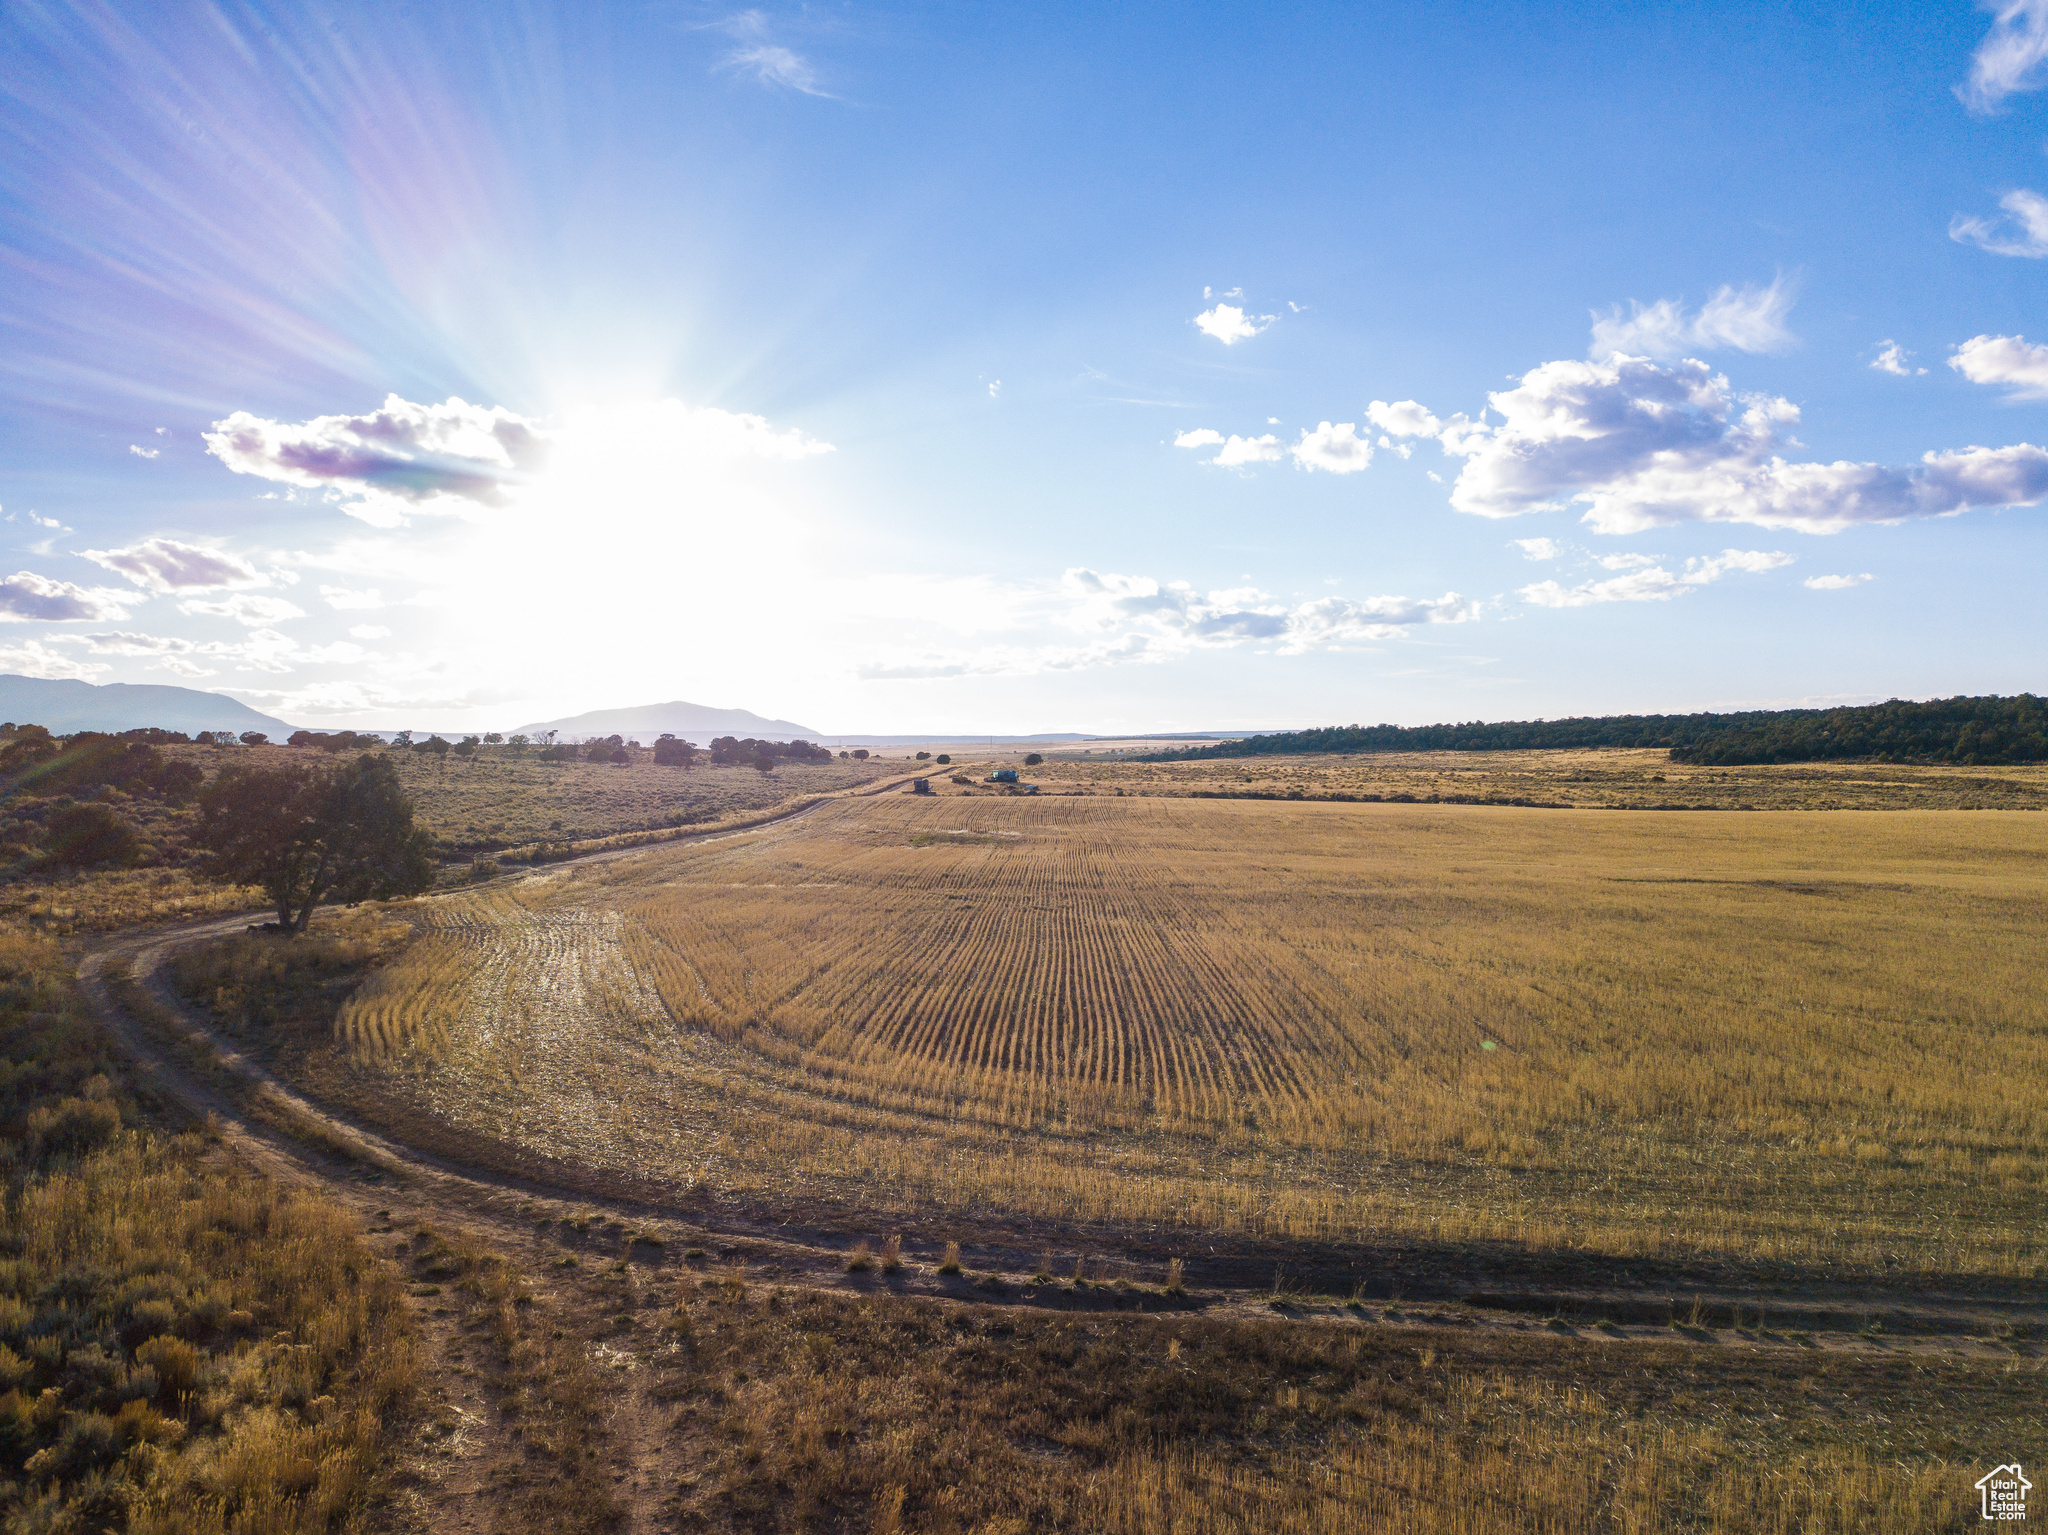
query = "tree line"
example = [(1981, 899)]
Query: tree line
[(1987, 730)]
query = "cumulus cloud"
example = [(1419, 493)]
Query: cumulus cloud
[(1229, 324), (2009, 58), (165, 565), (1122, 619), (245, 608), (457, 458), (144, 452), (1895, 359), (1538, 548), (33, 659), (428, 457), (1652, 583), (27, 597), (347, 598), (1405, 418), (1337, 449), (1750, 319), (1238, 451), (2022, 232), (1642, 445), (369, 632), (178, 666), (122, 643), (2006, 361), (1835, 583)]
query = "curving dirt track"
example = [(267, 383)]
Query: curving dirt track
[(397, 1188)]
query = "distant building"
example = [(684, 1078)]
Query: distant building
[(1003, 775)]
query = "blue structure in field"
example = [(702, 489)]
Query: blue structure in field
[(1003, 775)]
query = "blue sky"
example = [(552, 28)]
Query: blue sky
[(945, 368)]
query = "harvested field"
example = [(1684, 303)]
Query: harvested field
[(1756, 1038), (1608, 778)]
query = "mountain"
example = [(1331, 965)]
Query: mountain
[(694, 722), (65, 707)]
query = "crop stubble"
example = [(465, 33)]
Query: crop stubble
[(1817, 1038)]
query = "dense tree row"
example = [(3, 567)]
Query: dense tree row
[(1964, 730), (726, 749)]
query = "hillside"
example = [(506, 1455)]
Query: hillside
[(1968, 731), (64, 707), (698, 722)]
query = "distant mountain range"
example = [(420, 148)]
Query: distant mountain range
[(696, 722), (64, 707)]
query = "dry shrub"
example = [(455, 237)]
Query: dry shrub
[(226, 1355)]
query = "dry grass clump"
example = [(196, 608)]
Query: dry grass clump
[(538, 1377), (183, 1348), (273, 983), (1630, 1034), (823, 1411)]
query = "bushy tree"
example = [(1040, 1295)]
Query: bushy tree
[(1032, 759), (670, 752), (307, 835), (79, 836), (942, 759), (255, 738)]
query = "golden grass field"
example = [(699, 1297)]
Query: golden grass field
[(1592, 779), (1811, 1039)]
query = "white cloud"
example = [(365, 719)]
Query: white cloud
[(267, 650), (428, 457), (766, 61), (178, 666), (1337, 449), (32, 659), (1836, 583), (345, 598), (2006, 360), (1404, 418), (27, 597), (1136, 619), (1626, 561), (369, 632), (1643, 446), (165, 565), (245, 608), (1749, 318), (1895, 359), (2009, 58), (995, 389), (1654, 584), (2023, 232), (773, 64), (456, 458), (1229, 324), (144, 452), (1248, 450), (1538, 548), (122, 643)]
